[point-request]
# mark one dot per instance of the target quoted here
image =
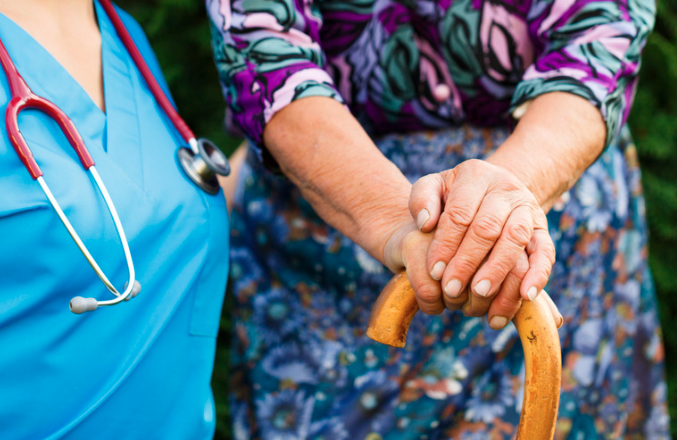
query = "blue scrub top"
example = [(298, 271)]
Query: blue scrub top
[(140, 369)]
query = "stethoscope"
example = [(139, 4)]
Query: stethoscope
[(201, 162)]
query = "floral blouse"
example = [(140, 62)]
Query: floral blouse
[(403, 65)]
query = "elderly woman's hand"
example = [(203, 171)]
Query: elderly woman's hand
[(407, 247), (485, 219), (366, 197), (490, 214)]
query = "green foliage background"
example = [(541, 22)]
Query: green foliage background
[(179, 33)]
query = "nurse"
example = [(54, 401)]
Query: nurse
[(140, 369)]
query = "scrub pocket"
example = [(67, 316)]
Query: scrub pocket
[(11, 210), (23, 218), (15, 200)]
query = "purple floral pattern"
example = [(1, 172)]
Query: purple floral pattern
[(404, 65)]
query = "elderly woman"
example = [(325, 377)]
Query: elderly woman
[(353, 101)]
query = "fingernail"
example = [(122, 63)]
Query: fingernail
[(438, 270), (561, 321), (532, 293), (422, 218), (453, 288), (498, 322), (482, 288)]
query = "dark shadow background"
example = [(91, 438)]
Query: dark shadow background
[(179, 32)]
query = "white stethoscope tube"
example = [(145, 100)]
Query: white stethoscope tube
[(80, 304)]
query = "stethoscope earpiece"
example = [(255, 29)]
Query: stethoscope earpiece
[(203, 165), (135, 290), (80, 305)]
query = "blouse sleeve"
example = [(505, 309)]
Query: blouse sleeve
[(590, 48), (267, 55)]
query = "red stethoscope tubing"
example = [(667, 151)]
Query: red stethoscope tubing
[(180, 125), (24, 98)]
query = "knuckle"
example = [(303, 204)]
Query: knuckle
[(488, 228), (551, 252), (520, 269), (546, 250), (428, 295), (446, 174), (425, 182), (509, 299), (470, 167), (475, 164), (519, 233), (540, 220), (460, 216), (464, 265), (533, 205), (428, 178), (507, 305), (500, 267), (545, 271)]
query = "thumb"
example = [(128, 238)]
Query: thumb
[(425, 201)]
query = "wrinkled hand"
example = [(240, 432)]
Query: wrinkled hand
[(485, 219), (407, 247), (502, 307)]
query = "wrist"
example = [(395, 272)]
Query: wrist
[(349, 183), (537, 172), (558, 137)]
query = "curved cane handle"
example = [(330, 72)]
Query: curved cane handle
[(396, 307)]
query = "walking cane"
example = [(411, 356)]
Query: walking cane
[(396, 307)]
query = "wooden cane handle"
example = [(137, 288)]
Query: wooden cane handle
[(396, 307)]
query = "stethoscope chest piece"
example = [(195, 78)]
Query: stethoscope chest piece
[(203, 165)]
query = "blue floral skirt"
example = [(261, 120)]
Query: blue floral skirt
[(302, 367)]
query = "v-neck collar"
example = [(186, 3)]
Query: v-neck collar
[(119, 88), (115, 132), (120, 95)]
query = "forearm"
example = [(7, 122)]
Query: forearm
[(556, 140), (324, 151)]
